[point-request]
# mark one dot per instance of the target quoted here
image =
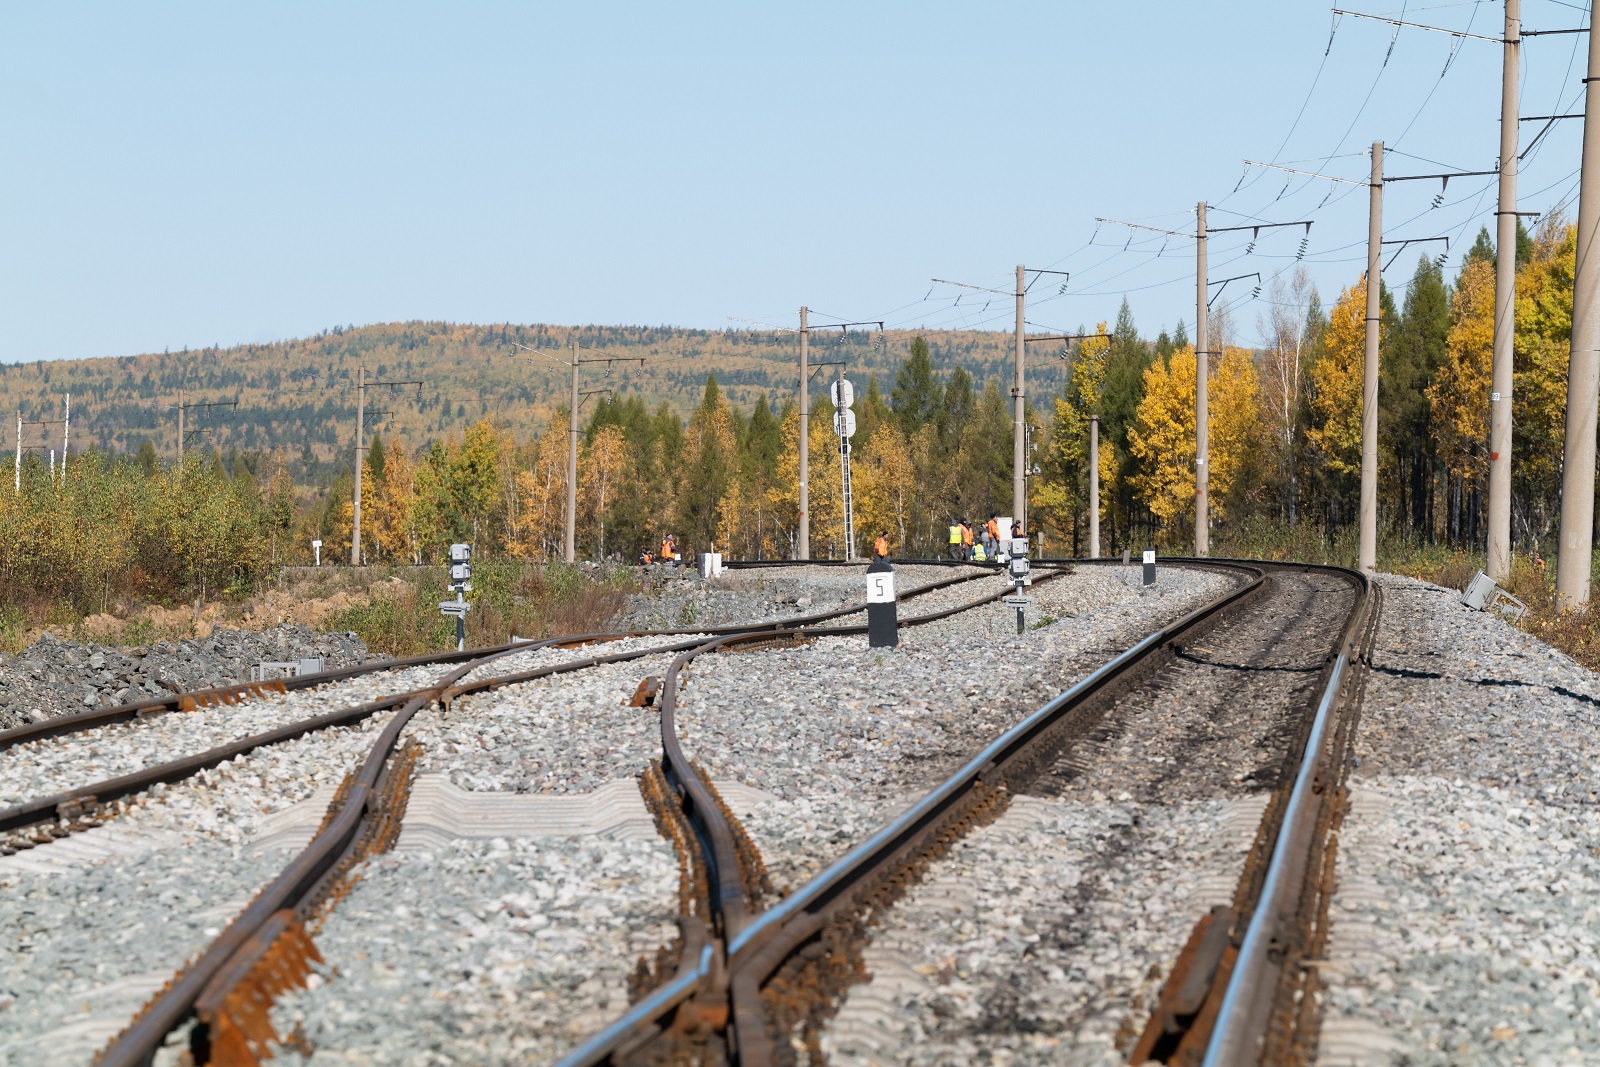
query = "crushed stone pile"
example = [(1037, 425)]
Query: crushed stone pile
[(57, 677)]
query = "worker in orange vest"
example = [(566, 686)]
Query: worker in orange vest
[(966, 539), (991, 532), (880, 547), (669, 550)]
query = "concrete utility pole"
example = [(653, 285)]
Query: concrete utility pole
[(1505, 308), (66, 434), (1202, 406), (1583, 372), (803, 550), (571, 551), (1368, 551), (1202, 355), (1019, 491), (181, 406), (1094, 486), (361, 422), (18, 457)]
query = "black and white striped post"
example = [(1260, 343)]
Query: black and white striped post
[(883, 619)]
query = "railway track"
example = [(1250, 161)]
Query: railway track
[(221, 997), (43, 818), (736, 948), (1276, 663)]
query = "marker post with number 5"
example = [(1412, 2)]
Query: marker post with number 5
[(883, 619)]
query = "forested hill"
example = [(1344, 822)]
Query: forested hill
[(300, 395)]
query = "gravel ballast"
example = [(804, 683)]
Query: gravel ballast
[(846, 736), (130, 921), (510, 996), (513, 949), (1043, 937), (57, 677), (113, 931), (1465, 928), (491, 952), (53, 765)]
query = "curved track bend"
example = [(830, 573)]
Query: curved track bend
[(228, 988), (1273, 663)]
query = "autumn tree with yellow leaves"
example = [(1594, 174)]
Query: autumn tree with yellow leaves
[(1543, 346), (1336, 382), (1164, 438), (1461, 418), (1061, 499)]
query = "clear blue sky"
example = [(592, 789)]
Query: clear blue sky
[(186, 174)]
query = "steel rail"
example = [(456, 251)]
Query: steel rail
[(211, 695), (1244, 1014), (136, 1045), (728, 902), (89, 720), (71, 803), (756, 948), (46, 809)]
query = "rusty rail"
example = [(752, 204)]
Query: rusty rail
[(76, 808), (1247, 1003), (249, 934), (230, 694), (746, 952)]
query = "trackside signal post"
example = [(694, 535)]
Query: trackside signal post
[(460, 582), (883, 621), (844, 424), (1017, 568)]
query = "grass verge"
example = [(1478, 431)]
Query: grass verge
[(508, 599)]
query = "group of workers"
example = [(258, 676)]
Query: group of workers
[(979, 544), (966, 543), (668, 556)]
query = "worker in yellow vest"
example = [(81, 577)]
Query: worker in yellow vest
[(955, 541)]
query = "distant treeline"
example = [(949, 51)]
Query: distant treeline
[(299, 396), (933, 444)]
